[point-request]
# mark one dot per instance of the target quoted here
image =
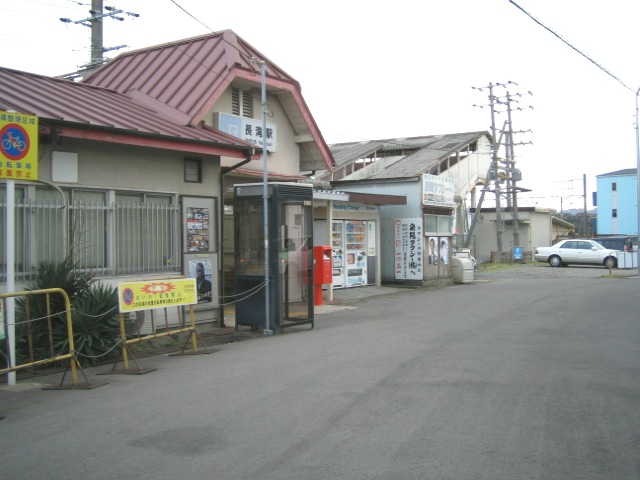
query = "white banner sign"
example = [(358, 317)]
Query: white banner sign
[(408, 249), (438, 191)]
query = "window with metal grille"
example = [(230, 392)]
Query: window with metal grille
[(146, 233), (104, 232)]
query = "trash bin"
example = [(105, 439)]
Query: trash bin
[(462, 270)]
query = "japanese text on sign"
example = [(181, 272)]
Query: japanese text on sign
[(438, 191), (408, 249), (18, 146), (134, 296), (249, 129)]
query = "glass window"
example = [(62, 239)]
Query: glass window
[(52, 216), (145, 233), (137, 234), (193, 170), (437, 224), (250, 238), (22, 261), (88, 229)]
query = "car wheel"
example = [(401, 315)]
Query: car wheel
[(610, 262), (555, 261)]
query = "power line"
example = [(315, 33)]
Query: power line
[(572, 46), (185, 11)]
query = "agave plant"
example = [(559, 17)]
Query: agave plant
[(41, 320), (96, 328)]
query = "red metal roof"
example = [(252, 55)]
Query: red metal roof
[(82, 106), (187, 75), (184, 79), (165, 90)]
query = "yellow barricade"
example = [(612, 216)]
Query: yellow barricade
[(162, 294), (31, 325)]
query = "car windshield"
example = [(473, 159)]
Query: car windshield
[(598, 246)]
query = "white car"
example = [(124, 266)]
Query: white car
[(576, 251)]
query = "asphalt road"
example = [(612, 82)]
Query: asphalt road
[(511, 377)]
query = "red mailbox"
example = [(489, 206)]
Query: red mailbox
[(322, 270)]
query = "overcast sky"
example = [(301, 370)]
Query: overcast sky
[(383, 69)]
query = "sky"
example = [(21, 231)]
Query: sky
[(372, 69)]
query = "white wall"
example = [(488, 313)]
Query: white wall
[(286, 160)]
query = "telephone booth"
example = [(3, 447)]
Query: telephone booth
[(288, 247)]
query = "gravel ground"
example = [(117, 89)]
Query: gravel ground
[(543, 270)]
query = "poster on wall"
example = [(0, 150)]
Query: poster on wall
[(200, 269), (438, 253), (408, 249), (433, 258), (198, 222), (444, 250)]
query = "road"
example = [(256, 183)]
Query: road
[(511, 377)]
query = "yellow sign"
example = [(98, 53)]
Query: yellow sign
[(134, 296), (18, 146)]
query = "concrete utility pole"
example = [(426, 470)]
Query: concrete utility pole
[(514, 174), (94, 22), (494, 168), (510, 175)]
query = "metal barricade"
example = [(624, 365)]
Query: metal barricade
[(45, 323), (138, 337)]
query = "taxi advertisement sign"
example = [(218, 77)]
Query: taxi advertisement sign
[(18, 146), (133, 296)]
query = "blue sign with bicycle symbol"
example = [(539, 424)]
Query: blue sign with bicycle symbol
[(15, 141), (18, 146)]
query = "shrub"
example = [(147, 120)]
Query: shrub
[(94, 317)]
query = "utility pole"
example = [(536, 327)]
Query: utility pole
[(494, 168), (94, 22), (514, 174), (586, 219), (510, 175)]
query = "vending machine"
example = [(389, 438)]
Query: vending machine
[(355, 239), (349, 248), (337, 248)]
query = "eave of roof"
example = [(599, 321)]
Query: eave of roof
[(76, 109), (428, 155), (619, 173), (189, 76), (420, 153)]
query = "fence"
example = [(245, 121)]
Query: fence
[(45, 339), (105, 238)]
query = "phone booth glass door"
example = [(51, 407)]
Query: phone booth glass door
[(289, 282)]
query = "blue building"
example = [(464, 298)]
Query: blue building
[(617, 202)]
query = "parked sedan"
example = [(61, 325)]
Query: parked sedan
[(576, 251)]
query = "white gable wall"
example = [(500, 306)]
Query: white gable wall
[(286, 159)]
